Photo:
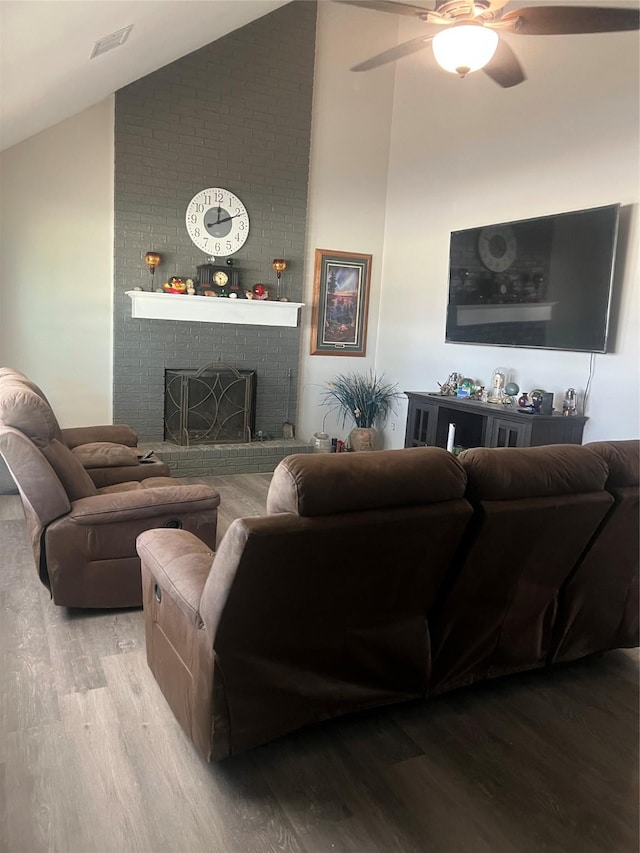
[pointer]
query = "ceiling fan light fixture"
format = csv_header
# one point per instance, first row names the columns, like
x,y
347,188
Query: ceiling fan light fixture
x,y
464,47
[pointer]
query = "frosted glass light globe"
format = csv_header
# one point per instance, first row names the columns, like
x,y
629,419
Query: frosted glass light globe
x,y
463,48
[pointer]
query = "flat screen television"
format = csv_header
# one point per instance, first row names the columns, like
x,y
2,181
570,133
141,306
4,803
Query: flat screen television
x,y
541,283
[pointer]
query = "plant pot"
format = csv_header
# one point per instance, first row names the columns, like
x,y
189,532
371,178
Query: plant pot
x,y
362,438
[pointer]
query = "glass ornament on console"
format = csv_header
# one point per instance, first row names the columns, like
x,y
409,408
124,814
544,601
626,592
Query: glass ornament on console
x,y
499,380
570,403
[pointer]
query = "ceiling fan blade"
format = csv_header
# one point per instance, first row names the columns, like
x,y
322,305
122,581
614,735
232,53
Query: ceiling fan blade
x,y
504,67
569,20
394,53
395,8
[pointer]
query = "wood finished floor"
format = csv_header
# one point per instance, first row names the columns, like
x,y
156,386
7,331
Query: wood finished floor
x,y
91,758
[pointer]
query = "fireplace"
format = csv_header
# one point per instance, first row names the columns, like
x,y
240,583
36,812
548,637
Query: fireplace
x,y
212,405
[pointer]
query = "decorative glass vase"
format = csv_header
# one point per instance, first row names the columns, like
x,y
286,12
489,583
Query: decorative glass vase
x,y
498,383
362,438
321,442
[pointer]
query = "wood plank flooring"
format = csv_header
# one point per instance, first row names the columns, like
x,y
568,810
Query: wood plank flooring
x,y
92,760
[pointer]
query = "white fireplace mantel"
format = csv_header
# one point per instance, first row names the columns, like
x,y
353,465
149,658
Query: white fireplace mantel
x,y
206,309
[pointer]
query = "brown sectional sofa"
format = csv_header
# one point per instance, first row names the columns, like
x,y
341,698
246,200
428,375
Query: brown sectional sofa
x,y
381,577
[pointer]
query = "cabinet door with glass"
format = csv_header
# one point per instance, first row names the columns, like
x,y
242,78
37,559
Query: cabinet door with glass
x,y
421,424
505,432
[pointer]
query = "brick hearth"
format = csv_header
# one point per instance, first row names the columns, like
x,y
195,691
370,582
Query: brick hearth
x,y
203,460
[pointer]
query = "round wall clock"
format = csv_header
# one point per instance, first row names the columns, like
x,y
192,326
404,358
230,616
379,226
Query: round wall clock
x,y
217,221
497,247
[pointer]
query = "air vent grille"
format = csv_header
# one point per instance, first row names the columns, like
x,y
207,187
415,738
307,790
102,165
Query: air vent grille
x,y
109,42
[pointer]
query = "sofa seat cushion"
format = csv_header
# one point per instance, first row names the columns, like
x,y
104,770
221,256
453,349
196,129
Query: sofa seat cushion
x,y
152,468
102,454
135,486
324,484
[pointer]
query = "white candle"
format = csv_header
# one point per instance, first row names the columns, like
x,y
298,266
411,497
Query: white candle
x,y
451,437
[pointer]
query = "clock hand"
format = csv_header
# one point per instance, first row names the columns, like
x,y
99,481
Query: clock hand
x,y
226,219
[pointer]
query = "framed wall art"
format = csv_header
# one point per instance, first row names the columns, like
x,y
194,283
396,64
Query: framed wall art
x,y
340,303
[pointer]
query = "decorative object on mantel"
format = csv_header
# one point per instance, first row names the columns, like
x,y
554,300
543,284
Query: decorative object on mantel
x,y
279,265
152,260
175,285
222,280
260,292
363,399
340,303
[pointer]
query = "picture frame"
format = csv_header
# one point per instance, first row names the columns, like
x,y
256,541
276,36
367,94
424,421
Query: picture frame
x,y
342,281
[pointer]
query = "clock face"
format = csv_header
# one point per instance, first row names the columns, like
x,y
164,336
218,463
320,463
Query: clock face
x,y
220,278
217,222
497,247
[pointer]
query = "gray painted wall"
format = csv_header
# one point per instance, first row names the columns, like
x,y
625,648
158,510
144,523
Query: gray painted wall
x,y
235,114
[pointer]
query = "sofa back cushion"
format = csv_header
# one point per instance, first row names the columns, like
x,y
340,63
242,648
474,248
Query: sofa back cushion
x,y
330,483
519,473
622,459
536,511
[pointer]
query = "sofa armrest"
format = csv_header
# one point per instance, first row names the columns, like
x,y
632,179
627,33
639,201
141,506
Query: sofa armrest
x,y
123,506
114,433
180,564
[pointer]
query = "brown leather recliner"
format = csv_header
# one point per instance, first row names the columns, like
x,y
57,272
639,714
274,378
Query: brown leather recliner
x,y
83,538
108,452
598,607
313,611
537,508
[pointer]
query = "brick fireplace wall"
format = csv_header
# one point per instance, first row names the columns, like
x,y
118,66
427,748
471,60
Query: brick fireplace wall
x,y
234,114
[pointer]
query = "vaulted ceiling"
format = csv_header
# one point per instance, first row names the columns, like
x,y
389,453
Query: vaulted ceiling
x,y
47,75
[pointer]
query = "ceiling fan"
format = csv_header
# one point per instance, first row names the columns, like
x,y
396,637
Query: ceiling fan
x,y
464,33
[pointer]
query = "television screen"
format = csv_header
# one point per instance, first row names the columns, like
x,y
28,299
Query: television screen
x,y
542,282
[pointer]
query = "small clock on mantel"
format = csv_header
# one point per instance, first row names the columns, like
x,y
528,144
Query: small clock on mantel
x,y
218,278
217,222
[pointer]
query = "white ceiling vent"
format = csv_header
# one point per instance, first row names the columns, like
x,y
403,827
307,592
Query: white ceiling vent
x,y
109,42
